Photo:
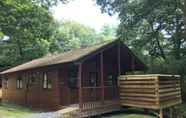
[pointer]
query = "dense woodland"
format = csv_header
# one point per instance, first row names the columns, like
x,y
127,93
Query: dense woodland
x,y
154,30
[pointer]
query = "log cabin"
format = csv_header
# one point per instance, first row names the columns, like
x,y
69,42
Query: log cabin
x,y
74,77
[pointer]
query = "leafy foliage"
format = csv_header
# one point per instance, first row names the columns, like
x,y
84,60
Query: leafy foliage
x,y
151,26
71,34
28,29
154,30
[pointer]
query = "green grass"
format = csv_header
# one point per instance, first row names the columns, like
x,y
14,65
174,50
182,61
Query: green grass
x,y
182,110
14,111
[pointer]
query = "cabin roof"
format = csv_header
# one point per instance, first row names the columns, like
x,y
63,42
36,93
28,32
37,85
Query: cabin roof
x,y
74,55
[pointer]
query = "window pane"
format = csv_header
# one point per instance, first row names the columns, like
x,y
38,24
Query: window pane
x,y
5,83
49,86
109,80
93,80
17,83
45,81
20,83
72,77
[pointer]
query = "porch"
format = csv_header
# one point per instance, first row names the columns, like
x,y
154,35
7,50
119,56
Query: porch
x,y
90,109
92,84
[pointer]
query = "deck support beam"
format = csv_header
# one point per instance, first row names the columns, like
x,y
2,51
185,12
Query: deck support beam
x,y
102,78
161,113
80,85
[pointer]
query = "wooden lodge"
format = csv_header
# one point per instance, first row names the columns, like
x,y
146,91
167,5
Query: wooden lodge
x,y
85,78
84,82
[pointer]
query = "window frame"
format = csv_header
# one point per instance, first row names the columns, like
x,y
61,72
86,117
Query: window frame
x,y
46,82
95,74
19,83
5,83
72,80
110,80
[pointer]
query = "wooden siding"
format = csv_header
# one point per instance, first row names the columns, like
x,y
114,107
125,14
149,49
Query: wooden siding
x,y
62,95
154,92
35,96
169,91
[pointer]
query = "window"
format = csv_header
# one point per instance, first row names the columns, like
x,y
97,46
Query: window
x,y
72,77
5,83
111,80
47,84
19,83
93,79
32,79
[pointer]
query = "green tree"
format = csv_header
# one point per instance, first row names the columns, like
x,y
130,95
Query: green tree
x,y
154,30
108,32
48,3
29,28
156,27
75,35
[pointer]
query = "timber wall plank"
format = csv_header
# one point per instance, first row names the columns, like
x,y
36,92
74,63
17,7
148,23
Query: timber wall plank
x,y
150,91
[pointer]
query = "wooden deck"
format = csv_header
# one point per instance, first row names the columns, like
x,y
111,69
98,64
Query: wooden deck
x,y
90,109
154,91
150,91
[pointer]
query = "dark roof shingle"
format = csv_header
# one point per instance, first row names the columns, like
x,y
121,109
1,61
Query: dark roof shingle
x,y
65,57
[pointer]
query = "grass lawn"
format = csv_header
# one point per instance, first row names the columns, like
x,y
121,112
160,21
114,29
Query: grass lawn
x,y
15,111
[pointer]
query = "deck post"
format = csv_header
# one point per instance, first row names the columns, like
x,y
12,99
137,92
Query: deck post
x,y
102,78
80,85
161,113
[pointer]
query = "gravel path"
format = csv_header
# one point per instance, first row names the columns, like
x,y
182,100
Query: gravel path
x,y
45,115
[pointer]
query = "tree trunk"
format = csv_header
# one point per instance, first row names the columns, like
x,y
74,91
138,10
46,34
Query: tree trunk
x,y
160,48
177,40
156,36
19,48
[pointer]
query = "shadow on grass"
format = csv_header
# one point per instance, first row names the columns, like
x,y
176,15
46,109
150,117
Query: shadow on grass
x,y
128,113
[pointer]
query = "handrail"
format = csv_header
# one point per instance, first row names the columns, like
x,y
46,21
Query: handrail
x,y
97,87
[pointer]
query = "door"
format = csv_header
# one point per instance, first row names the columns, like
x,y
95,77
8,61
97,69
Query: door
x,y
64,91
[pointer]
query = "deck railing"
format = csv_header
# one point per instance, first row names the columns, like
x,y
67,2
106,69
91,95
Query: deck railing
x,y
90,94
95,108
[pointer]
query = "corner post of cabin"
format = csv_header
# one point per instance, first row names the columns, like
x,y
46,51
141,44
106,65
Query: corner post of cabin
x,y
119,66
80,85
132,64
102,77
119,59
